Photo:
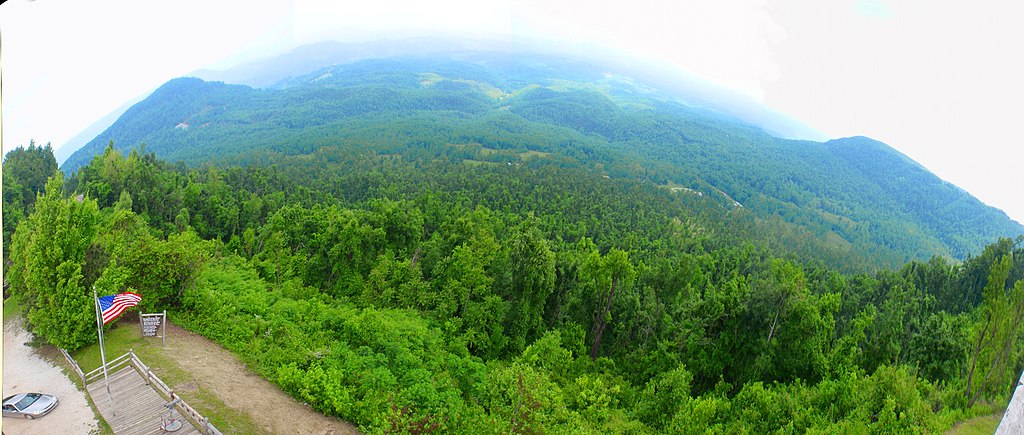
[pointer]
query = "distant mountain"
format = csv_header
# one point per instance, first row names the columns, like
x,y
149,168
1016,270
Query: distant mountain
x,y
690,89
82,138
513,106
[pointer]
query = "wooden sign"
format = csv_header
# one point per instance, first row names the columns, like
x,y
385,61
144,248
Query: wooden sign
x,y
153,323
150,325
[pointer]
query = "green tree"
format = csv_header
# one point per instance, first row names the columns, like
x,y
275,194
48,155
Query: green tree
x,y
394,283
30,168
49,250
13,211
531,269
995,333
604,276
402,223
663,396
464,296
25,171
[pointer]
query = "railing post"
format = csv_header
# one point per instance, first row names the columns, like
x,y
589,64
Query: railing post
x,y
74,364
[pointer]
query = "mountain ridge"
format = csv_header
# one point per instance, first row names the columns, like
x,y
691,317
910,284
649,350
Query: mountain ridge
x,y
855,191
269,71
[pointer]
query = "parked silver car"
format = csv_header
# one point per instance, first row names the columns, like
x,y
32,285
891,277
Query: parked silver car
x,y
29,405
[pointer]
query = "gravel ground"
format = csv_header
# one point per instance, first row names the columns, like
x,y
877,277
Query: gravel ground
x,y
25,371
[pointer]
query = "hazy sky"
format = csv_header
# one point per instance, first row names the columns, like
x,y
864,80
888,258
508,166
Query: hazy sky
x,y
942,81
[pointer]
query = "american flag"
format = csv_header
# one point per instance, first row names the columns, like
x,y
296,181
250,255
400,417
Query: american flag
x,y
112,306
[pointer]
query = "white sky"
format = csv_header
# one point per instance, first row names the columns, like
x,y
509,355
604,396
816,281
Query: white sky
x,y
942,81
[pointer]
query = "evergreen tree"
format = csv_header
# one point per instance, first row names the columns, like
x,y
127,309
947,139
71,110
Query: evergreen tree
x,y
49,250
25,171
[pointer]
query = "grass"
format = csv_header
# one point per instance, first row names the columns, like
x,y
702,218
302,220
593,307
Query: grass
x,y
119,339
12,308
479,163
528,154
982,425
836,241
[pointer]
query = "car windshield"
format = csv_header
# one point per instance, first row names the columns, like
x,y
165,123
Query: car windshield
x,y
26,401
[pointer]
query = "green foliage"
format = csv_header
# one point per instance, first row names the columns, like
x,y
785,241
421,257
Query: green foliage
x,y
67,247
531,270
865,205
409,293
663,397
48,254
433,313
602,277
941,346
159,269
995,334
521,399
25,172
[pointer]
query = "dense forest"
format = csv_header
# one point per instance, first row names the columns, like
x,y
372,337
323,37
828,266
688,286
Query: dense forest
x,y
871,206
417,291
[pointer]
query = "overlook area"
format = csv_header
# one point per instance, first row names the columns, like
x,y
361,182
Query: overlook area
x,y
423,236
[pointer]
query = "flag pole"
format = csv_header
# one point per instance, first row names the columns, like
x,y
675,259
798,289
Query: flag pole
x,y
103,356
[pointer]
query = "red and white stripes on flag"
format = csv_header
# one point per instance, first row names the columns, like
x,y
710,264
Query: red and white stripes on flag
x,y
112,306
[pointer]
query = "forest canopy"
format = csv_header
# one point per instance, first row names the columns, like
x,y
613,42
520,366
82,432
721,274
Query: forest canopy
x,y
865,203
413,293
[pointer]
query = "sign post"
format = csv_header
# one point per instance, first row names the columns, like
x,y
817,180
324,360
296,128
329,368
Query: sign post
x,y
151,323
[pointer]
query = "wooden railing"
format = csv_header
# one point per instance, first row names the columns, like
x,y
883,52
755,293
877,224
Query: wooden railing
x,y
74,365
200,422
184,408
1013,417
151,378
115,363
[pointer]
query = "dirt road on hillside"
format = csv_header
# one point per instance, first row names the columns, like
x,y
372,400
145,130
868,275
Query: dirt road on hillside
x,y
219,371
26,372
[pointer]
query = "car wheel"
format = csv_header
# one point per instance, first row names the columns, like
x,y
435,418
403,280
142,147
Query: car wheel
x,y
29,416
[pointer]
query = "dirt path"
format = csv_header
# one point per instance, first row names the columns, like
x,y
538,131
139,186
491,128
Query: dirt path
x,y
25,371
219,371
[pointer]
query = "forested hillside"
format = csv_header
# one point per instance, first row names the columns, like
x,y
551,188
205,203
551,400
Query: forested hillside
x,y
475,242
855,198
449,289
